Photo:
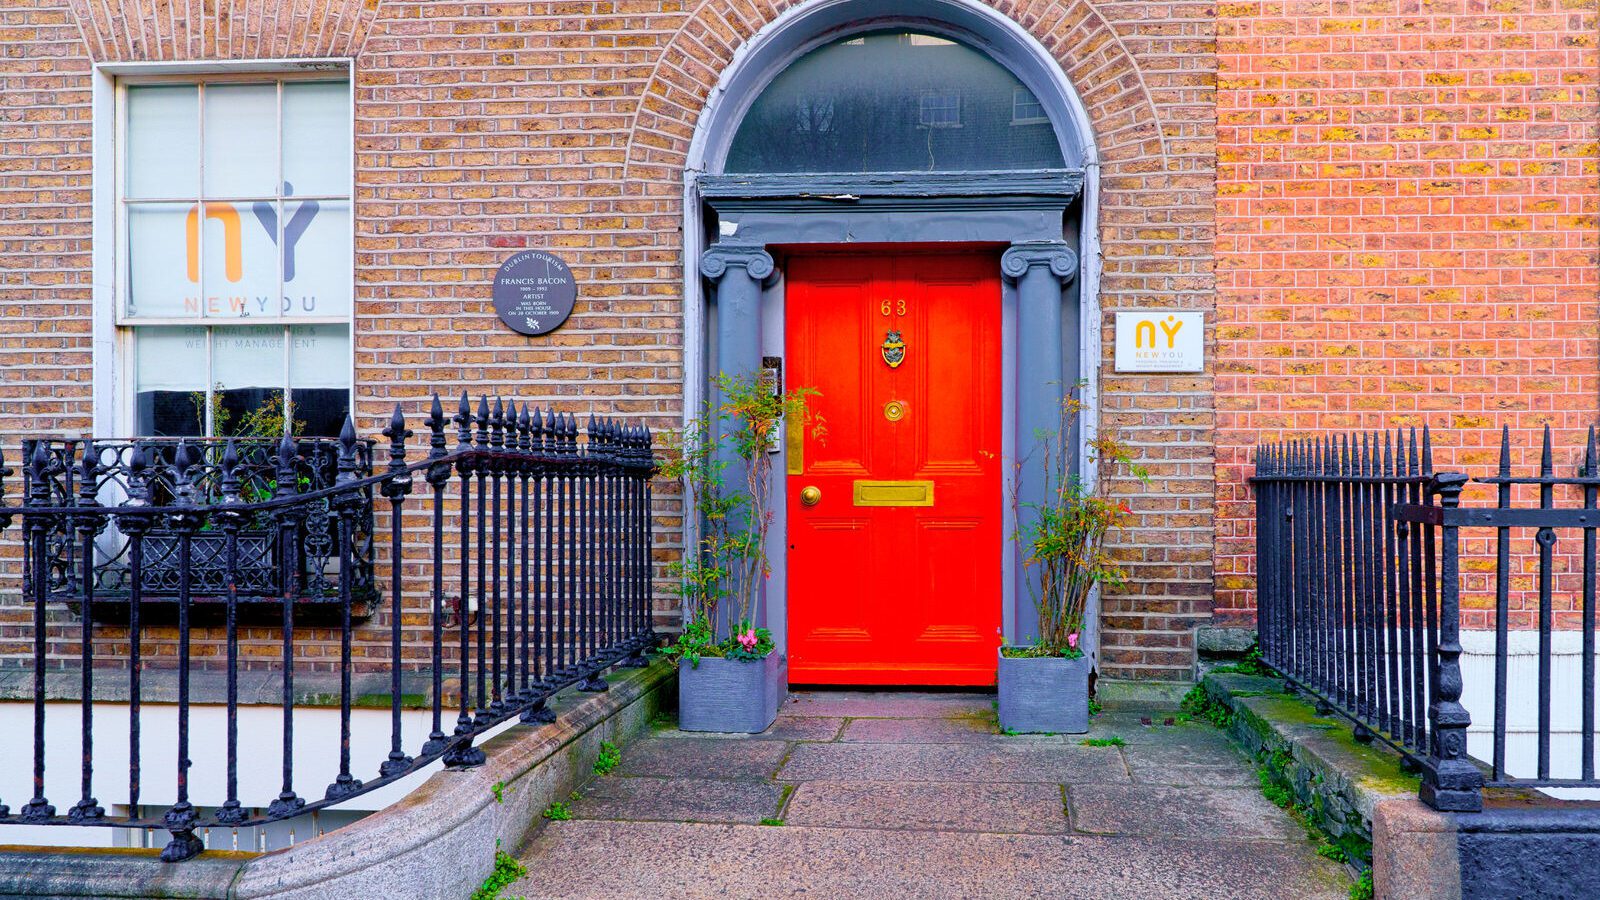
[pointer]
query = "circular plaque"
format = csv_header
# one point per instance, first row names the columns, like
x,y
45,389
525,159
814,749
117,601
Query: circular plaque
x,y
534,292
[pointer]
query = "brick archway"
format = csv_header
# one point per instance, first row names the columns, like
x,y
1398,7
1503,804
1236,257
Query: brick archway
x,y
1090,51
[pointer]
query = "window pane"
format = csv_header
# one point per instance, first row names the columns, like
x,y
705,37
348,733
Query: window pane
x,y
319,377
241,144
163,261
163,141
316,260
247,376
316,138
170,380
893,102
241,271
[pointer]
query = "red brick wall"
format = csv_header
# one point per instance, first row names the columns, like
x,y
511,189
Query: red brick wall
x,y
1400,210
1407,234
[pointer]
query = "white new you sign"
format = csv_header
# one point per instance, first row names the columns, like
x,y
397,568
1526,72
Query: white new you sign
x,y
1160,340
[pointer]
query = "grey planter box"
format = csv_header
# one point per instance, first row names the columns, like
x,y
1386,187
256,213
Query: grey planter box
x,y
1044,695
731,695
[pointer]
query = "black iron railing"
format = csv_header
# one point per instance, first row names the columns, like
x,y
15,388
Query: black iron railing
x,y
1360,596
112,473
546,537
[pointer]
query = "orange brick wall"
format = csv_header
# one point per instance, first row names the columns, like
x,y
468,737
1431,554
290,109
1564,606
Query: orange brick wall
x,y
1406,219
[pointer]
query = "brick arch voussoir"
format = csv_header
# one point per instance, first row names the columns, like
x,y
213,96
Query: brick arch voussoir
x,y
170,30
1085,44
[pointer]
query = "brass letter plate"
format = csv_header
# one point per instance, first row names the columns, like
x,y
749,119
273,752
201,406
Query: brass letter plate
x,y
893,493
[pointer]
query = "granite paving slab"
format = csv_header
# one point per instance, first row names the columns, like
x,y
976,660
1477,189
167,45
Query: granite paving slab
x,y
915,795
679,800
994,762
897,705
700,757
1236,775
939,806
589,860
921,731
1193,749
1178,812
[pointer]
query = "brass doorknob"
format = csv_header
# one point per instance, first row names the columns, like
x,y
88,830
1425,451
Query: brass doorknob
x,y
811,496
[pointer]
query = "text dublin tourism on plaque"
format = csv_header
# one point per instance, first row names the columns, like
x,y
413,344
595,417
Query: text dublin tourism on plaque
x,y
534,292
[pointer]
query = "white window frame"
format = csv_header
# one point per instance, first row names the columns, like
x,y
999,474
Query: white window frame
x,y
941,97
114,401
1021,95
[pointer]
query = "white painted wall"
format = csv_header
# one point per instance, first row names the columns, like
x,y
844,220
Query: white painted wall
x,y
1522,701
316,741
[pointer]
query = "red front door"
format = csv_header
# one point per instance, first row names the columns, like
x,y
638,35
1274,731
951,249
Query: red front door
x,y
894,569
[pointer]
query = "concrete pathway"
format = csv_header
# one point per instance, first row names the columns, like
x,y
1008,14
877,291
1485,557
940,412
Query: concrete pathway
x,y
854,794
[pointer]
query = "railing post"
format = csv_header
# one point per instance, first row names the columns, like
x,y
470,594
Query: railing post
x,y
395,488
1451,781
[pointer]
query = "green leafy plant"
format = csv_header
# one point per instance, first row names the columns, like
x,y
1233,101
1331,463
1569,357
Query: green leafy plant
x,y
1330,851
1250,664
729,563
1362,889
1199,705
1063,536
506,873
557,812
269,420
499,791
1095,707
610,757
771,821
1112,741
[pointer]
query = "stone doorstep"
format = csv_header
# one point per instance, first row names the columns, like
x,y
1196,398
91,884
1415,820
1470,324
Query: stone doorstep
x,y
437,842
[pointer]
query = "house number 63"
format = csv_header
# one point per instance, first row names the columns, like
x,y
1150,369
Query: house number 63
x,y
896,307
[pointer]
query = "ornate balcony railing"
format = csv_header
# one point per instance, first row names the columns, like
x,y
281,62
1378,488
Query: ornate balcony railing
x,y
545,540
143,473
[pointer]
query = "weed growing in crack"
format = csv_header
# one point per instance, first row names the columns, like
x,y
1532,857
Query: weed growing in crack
x,y
1200,705
557,812
1112,741
610,757
506,872
771,821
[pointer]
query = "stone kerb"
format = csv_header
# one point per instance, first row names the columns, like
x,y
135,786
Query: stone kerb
x,y
1349,788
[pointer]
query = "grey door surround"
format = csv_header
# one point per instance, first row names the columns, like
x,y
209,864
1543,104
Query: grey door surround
x,y
1025,212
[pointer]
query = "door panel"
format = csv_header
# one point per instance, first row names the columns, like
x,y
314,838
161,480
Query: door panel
x,y
907,592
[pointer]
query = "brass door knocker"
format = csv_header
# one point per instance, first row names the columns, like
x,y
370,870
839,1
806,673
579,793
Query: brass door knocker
x,y
894,350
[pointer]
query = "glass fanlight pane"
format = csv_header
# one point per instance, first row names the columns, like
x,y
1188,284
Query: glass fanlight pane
x,y
894,102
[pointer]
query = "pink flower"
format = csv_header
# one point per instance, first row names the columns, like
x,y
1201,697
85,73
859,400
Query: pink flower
x,y
748,640
1072,640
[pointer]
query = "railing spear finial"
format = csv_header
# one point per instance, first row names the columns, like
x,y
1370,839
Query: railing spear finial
x,y
436,421
1547,463
463,420
230,472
